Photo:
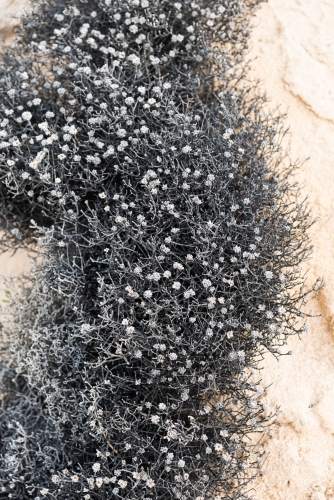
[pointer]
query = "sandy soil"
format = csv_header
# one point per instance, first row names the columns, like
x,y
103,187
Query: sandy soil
x,y
293,41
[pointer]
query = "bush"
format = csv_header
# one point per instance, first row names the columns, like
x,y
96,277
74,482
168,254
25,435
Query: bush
x,y
136,153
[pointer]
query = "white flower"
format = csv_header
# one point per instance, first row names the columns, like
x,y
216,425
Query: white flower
x,y
181,463
269,275
129,100
44,491
177,38
26,115
55,479
196,200
218,447
176,285
144,129
96,467
162,406
167,274
36,101
147,294
102,196
134,59
189,293
122,483
121,132
154,276
150,483
155,419
109,152
122,145
75,478
178,266
186,149
206,283
172,356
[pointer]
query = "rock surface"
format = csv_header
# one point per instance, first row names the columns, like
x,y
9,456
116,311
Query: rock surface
x,y
10,9
293,41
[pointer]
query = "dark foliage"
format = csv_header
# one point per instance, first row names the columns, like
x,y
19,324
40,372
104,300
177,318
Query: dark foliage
x,y
169,237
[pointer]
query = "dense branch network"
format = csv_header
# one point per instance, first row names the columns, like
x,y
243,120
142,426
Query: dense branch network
x,y
135,153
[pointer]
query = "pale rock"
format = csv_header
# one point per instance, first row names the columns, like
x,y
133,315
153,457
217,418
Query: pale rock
x,y
10,10
317,495
293,41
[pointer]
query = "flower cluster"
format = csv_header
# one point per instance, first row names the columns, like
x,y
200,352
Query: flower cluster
x,y
136,154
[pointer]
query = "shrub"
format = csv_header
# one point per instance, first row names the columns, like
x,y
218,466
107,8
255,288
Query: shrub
x,y
170,237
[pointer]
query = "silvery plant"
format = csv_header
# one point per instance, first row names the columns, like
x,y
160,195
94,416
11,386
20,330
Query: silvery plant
x,y
138,166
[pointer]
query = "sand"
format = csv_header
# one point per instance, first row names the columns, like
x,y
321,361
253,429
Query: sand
x,y
293,41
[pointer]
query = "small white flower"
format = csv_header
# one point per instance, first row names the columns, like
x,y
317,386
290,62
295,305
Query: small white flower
x,y
27,116
150,483
44,491
121,132
269,275
154,276
147,294
196,200
134,59
75,478
129,100
96,467
176,285
189,293
206,283
155,419
186,149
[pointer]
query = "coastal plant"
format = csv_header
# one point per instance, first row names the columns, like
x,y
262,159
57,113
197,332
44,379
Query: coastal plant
x,y
139,165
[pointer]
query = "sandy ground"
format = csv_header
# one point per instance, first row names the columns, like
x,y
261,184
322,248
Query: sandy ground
x,y
293,41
